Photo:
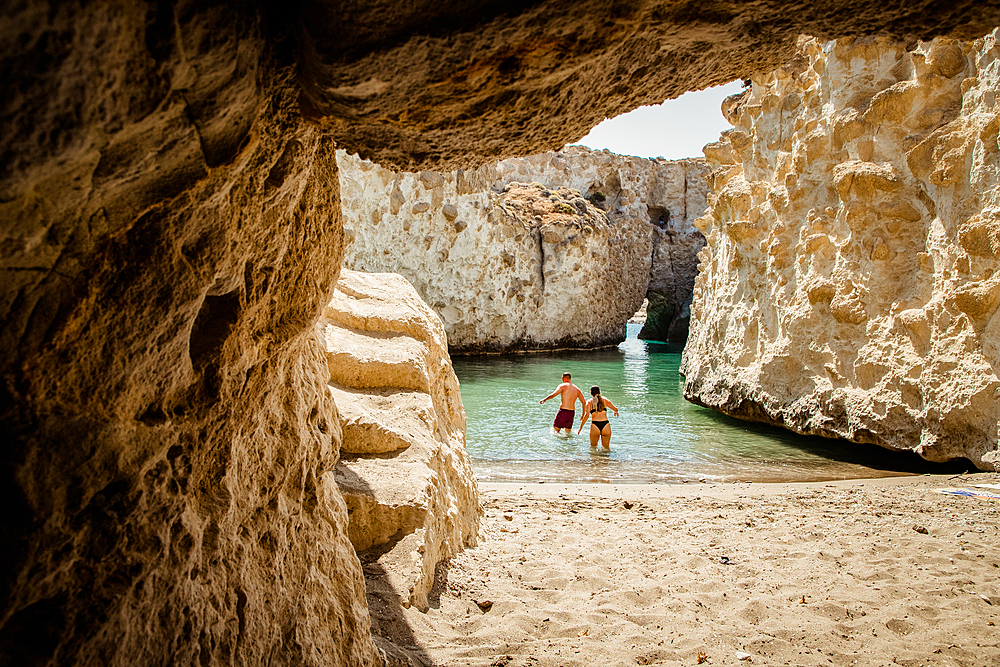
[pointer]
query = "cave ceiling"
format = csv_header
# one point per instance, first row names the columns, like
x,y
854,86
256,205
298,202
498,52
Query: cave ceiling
x,y
430,84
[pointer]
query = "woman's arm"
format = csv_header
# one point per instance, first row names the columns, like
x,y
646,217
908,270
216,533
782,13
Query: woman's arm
x,y
612,406
586,416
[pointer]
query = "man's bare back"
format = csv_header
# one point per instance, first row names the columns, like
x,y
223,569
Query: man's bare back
x,y
568,394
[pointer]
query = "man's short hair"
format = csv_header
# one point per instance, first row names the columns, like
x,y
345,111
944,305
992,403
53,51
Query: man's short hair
x,y
567,375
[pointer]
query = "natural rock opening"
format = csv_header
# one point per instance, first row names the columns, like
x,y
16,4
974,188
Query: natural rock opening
x,y
152,152
660,217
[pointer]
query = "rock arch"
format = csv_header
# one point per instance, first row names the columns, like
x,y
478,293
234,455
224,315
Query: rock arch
x,y
156,155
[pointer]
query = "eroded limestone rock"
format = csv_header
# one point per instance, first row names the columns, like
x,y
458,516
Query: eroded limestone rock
x,y
429,85
553,250
410,491
850,284
670,194
171,233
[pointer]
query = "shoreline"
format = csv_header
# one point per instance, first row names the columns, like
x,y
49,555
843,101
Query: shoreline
x,y
602,471
628,491
862,572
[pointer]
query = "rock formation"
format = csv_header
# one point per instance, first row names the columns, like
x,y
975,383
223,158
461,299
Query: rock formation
x,y
170,237
409,488
171,234
440,85
852,278
669,194
553,250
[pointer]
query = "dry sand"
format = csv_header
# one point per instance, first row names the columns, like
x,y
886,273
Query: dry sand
x,y
861,572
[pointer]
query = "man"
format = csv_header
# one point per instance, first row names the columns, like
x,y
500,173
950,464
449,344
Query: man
x,y
570,393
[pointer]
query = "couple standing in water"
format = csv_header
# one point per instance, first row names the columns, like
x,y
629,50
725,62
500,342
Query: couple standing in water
x,y
596,410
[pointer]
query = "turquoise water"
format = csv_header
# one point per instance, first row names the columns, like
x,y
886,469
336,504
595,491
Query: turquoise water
x,y
659,437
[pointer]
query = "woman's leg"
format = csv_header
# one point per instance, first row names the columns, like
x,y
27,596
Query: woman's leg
x,y
595,434
606,436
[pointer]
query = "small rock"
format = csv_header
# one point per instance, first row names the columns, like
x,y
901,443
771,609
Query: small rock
x,y
920,529
508,517
740,655
431,179
485,605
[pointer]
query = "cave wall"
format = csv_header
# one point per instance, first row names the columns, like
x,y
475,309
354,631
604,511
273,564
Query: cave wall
x,y
171,231
170,235
850,284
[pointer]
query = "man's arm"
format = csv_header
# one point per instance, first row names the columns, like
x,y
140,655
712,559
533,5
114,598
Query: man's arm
x,y
583,401
558,391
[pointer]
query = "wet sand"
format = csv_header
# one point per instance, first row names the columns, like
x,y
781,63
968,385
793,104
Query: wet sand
x,y
860,572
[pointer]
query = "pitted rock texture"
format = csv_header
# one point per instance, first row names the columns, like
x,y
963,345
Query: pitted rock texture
x,y
670,194
171,233
850,284
445,85
170,236
554,250
409,487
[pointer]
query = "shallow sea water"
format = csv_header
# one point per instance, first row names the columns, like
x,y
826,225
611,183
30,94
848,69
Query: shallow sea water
x,y
659,437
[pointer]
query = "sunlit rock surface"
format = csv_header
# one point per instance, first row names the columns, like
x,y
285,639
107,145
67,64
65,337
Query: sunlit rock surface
x,y
850,286
410,491
553,250
171,233
669,194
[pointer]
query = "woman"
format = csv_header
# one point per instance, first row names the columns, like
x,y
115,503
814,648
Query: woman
x,y
597,411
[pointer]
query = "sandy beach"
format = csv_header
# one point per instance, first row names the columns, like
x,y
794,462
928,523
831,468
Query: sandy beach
x,y
861,572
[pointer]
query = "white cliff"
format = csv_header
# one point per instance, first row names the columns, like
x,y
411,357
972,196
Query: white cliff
x,y
850,283
553,250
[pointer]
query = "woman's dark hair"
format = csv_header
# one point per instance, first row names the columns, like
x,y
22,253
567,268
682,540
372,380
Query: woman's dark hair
x,y
596,391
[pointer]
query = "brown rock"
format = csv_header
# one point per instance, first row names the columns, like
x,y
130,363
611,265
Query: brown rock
x,y
171,233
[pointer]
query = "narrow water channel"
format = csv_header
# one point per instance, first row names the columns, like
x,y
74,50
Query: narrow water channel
x,y
659,438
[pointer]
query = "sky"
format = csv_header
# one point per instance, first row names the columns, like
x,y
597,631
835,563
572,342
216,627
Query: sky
x,y
676,129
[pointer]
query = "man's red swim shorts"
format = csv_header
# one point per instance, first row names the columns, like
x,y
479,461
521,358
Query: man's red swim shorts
x,y
564,419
